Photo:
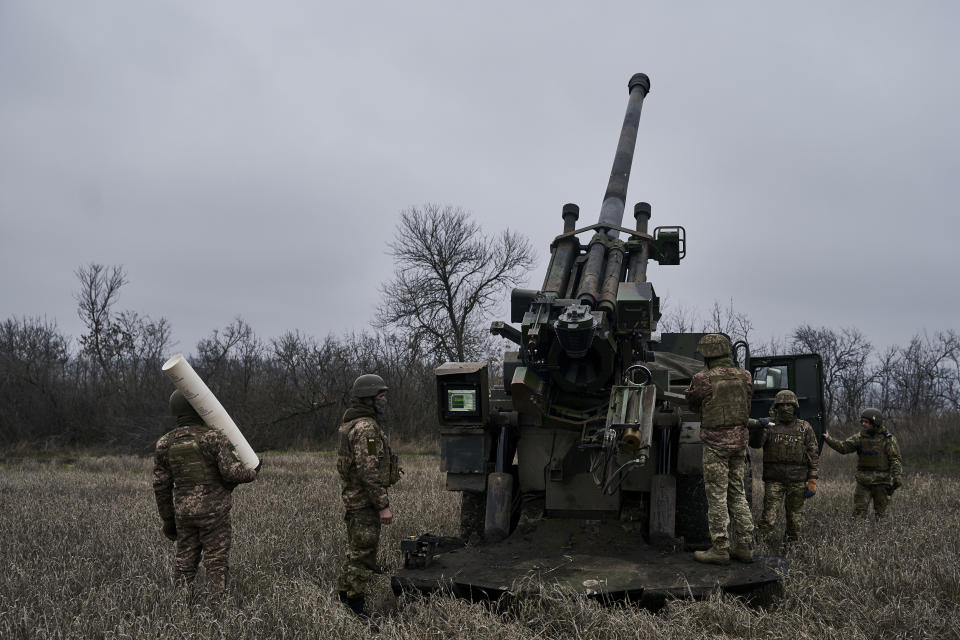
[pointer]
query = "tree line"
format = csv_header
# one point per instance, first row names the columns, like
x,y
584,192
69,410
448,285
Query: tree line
x,y
920,379
105,389
284,392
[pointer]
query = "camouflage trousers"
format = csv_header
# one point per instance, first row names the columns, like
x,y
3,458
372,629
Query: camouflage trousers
x,y
207,536
775,495
723,481
864,493
363,537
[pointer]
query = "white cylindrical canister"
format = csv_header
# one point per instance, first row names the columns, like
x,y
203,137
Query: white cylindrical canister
x,y
202,399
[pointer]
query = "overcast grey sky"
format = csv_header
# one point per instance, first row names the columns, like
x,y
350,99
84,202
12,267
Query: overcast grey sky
x,y
251,158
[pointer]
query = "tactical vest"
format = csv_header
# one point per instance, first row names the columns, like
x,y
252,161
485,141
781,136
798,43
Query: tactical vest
x,y
872,452
187,463
346,463
345,452
729,405
784,444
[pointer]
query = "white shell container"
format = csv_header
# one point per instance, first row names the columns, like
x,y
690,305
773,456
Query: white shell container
x,y
202,399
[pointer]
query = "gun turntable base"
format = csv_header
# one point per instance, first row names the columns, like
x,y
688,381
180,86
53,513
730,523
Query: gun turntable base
x,y
598,559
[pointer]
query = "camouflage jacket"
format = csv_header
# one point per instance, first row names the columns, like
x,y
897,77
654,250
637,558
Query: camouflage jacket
x,y
363,462
724,414
878,455
790,451
195,469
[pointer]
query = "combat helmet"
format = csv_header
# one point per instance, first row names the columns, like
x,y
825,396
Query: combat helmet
x,y
786,397
180,408
367,386
873,416
714,345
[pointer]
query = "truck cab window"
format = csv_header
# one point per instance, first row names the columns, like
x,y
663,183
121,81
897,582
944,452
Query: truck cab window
x,y
771,378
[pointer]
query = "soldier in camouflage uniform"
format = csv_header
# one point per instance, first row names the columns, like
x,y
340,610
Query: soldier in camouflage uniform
x,y
195,471
879,467
791,459
721,394
367,467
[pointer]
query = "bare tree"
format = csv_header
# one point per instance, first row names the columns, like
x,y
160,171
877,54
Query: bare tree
x,y
729,321
773,346
99,288
307,374
844,354
685,319
34,380
952,371
923,374
448,276
677,318
230,360
126,346
236,342
33,351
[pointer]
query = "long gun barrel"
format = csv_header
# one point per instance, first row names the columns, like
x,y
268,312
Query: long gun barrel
x,y
601,267
614,200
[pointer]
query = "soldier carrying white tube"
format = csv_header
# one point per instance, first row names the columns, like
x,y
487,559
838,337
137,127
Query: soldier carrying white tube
x,y
196,468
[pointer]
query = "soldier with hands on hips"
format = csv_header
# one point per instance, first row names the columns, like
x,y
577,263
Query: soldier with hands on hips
x,y
879,466
721,394
195,471
367,467
791,459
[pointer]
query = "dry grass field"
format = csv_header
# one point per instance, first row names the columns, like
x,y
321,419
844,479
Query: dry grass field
x,y
83,557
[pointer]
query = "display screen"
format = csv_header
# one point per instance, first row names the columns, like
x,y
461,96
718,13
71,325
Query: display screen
x,y
462,400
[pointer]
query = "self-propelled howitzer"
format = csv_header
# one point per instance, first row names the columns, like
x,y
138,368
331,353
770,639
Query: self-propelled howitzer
x,y
585,465
582,382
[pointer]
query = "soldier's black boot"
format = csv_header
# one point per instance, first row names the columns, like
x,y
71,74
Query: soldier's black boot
x,y
357,604
354,604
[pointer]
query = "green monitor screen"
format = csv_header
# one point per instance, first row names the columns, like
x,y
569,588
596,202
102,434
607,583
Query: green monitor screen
x,y
462,401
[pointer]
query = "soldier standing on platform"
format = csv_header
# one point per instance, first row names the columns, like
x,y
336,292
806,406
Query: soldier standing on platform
x,y
721,394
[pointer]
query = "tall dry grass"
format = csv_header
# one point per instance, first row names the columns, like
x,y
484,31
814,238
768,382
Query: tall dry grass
x,y
83,557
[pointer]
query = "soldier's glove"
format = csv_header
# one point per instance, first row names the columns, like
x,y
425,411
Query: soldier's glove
x,y
894,486
170,529
811,489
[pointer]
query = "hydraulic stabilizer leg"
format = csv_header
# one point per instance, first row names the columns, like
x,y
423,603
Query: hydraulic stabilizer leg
x,y
499,495
663,494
